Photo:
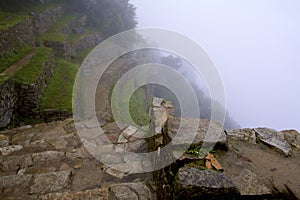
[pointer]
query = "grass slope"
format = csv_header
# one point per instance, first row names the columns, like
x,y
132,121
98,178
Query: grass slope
x,y
30,72
58,94
14,57
53,33
8,19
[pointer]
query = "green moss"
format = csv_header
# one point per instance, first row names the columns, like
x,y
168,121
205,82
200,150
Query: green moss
x,y
30,72
14,57
58,94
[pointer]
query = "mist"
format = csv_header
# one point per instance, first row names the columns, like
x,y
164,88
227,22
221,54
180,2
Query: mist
x,y
255,46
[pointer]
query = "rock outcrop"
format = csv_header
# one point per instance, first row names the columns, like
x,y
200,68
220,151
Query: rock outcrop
x,y
256,163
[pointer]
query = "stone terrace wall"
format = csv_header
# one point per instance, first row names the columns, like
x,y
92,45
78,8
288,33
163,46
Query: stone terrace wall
x,y
27,31
61,49
75,26
30,94
8,100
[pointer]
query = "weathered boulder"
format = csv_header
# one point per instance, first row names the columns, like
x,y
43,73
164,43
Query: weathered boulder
x,y
50,182
246,135
272,138
192,183
249,184
292,137
124,191
4,141
101,194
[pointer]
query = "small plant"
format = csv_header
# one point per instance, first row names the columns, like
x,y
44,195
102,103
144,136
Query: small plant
x,y
194,151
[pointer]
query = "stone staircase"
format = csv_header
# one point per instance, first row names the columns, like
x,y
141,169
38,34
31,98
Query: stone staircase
x,y
48,161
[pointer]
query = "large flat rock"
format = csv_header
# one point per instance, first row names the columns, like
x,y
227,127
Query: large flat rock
x,y
272,138
192,183
198,131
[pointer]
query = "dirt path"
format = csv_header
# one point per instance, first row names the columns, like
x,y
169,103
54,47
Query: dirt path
x,y
15,67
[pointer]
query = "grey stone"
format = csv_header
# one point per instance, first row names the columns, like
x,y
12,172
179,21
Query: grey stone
x,y
115,173
4,141
133,190
139,145
89,176
111,159
123,192
10,149
14,163
47,156
159,116
99,194
15,181
196,132
157,102
292,137
122,139
203,184
50,182
129,131
272,138
246,135
248,184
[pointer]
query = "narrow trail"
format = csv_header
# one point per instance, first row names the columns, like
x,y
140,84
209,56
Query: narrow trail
x,y
15,67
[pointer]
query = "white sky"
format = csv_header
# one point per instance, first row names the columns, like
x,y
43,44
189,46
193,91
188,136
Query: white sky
x,y
255,44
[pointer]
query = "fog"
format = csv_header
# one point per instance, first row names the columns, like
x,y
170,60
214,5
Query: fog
x,y
254,44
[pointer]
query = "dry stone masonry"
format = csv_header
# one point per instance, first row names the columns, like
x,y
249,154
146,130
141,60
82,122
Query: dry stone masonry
x,y
27,31
257,163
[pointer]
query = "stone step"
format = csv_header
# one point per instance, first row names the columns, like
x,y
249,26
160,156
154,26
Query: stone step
x,y
100,194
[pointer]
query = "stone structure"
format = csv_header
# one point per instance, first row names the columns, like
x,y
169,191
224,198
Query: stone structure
x,y
250,159
23,99
27,31
29,95
8,100
49,161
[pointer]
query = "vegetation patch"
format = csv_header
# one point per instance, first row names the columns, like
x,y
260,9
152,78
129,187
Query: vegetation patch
x,y
30,72
80,56
60,85
138,107
53,34
57,37
14,57
8,19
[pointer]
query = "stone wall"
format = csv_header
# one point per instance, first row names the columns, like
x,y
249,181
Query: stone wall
x,y
50,115
241,164
27,31
30,94
75,26
61,49
8,100
87,42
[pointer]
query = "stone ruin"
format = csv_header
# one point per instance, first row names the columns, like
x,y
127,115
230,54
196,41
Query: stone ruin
x,y
49,161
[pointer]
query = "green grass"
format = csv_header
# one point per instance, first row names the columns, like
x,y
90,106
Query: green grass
x,y
14,57
53,33
3,79
58,94
18,14
57,37
8,19
30,72
138,108
80,56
